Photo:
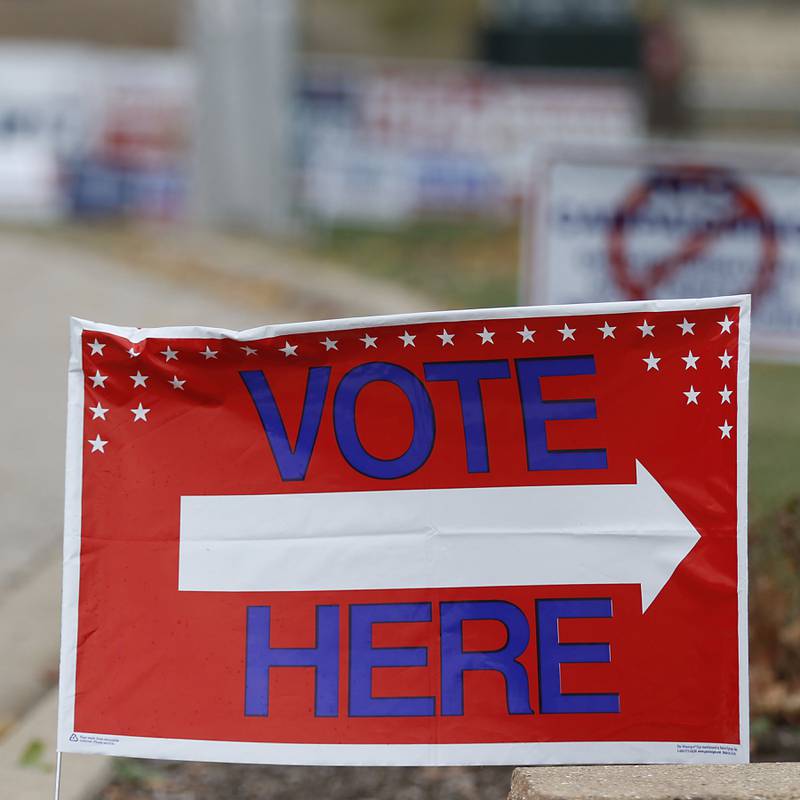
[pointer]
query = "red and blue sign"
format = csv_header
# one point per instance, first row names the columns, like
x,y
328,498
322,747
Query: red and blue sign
x,y
503,536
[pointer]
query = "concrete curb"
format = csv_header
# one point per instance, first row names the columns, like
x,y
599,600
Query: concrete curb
x,y
658,782
28,757
29,634
30,629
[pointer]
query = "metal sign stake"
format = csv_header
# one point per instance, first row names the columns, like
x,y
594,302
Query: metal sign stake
x,y
58,775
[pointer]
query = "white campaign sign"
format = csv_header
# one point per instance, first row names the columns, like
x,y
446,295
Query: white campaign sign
x,y
670,222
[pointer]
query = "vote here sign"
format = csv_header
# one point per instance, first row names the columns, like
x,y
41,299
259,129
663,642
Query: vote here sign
x,y
501,536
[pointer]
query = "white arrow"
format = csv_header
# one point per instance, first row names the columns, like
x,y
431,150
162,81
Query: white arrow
x,y
507,536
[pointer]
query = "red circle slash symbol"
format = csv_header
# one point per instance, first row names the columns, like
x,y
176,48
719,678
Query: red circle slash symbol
x,y
744,209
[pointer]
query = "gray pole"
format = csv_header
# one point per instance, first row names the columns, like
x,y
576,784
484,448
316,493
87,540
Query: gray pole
x,y
244,53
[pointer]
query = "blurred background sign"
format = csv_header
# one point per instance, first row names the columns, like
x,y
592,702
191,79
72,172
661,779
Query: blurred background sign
x,y
669,221
442,137
274,115
92,132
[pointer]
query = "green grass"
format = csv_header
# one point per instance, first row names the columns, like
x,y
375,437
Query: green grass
x,y
474,264
774,437
461,264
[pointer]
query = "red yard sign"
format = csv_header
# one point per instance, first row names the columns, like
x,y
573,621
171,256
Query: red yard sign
x,y
504,536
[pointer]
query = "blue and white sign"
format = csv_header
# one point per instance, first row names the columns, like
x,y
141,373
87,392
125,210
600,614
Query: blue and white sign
x,y
670,222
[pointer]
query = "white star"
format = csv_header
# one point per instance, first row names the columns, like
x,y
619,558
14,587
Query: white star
x,y
97,348
98,380
725,393
725,324
140,413
139,379
208,353
486,336
98,411
97,444
249,351
691,396
447,338
651,361
133,352
691,361
686,327
608,330
176,383
288,349
407,339
567,333
726,360
647,330
170,354
726,430
369,341
330,344
527,336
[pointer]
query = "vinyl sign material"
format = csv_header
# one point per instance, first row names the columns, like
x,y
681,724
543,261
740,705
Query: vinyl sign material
x,y
671,222
503,536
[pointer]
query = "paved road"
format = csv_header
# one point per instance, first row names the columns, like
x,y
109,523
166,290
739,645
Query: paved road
x,y
44,283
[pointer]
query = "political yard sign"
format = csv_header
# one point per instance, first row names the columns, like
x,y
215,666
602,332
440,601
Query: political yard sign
x,y
669,221
501,536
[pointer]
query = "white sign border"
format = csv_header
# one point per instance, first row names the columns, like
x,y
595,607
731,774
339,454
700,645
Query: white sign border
x,y
499,753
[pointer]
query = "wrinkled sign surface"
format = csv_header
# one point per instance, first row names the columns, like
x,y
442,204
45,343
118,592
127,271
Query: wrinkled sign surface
x,y
502,536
